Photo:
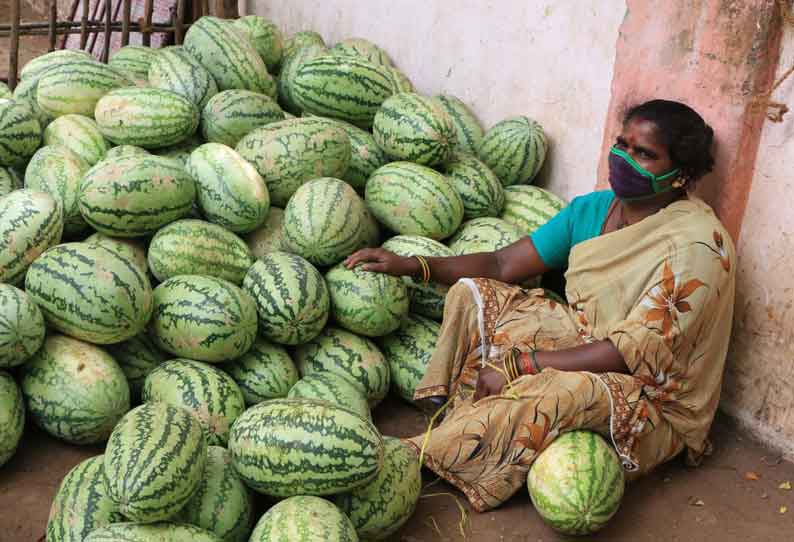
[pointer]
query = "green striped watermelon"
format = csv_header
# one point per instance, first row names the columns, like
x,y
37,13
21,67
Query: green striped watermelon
x,y
414,200
58,171
363,48
81,504
90,292
346,354
291,152
370,233
76,87
226,53
203,390
342,87
74,390
265,372
468,130
286,447
151,532
289,70
147,117
230,191
5,92
154,461
265,37
408,351
484,235
137,357
80,135
20,132
399,81
10,180
333,388
26,92
365,156
196,247
300,40
291,296
365,302
576,484
21,326
269,237
125,150
181,151
232,114
414,128
480,190
222,504
134,61
426,299
323,221
30,223
135,195
381,507
38,66
304,519
130,249
529,207
514,149
12,417
175,70
203,318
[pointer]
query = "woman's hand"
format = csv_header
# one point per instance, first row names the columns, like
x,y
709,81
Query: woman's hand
x,y
381,260
490,381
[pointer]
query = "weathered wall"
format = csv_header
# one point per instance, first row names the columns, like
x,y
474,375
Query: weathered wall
x,y
549,60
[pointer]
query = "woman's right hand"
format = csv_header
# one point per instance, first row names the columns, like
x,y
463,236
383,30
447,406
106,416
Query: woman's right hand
x,y
381,260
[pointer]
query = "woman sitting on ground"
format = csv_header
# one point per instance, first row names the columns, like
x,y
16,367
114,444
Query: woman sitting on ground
x,y
637,354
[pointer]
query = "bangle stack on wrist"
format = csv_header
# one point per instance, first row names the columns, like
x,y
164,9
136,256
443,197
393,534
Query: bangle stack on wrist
x,y
425,268
511,364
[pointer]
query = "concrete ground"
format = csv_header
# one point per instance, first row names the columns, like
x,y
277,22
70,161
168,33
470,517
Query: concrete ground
x,y
735,496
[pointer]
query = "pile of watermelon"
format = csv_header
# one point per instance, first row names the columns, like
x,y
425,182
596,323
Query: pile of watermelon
x,y
172,227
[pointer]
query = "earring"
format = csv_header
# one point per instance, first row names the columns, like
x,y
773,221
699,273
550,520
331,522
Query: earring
x,y
679,182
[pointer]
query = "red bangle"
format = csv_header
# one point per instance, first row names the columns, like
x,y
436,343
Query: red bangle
x,y
525,362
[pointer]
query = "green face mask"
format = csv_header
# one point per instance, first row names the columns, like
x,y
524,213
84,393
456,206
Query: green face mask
x,y
630,181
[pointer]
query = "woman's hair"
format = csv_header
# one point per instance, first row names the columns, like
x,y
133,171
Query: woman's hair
x,y
685,134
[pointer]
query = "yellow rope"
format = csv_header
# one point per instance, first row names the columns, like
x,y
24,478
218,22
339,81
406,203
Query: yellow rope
x,y
464,515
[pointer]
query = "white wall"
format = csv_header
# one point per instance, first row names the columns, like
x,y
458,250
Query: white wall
x,y
550,60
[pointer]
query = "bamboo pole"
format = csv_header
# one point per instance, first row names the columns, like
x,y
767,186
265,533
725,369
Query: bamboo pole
x,y
83,25
53,34
13,50
125,23
75,28
179,33
72,14
99,14
108,33
146,38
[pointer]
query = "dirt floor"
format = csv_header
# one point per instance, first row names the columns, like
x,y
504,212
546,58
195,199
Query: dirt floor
x,y
735,496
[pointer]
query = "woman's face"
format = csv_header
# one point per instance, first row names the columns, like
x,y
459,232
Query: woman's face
x,y
638,139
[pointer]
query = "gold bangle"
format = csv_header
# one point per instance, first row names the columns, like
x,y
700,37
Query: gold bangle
x,y
425,268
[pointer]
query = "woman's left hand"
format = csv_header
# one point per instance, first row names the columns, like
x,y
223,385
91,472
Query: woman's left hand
x,y
490,381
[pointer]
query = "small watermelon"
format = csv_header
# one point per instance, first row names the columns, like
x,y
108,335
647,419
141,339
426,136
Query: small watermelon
x,y
40,65
363,48
151,532
301,39
514,149
137,357
266,38
125,150
134,61
484,235
529,207
304,519
365,156
76,87
333,388
269,237
468,130
232,114
21,326
20,132
175,70
79,134
131,249
408,351
12,417
480,190
399,81
265,372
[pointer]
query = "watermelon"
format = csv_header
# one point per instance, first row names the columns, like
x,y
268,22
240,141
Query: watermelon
x,y
10,180
26,92
21,326
137,357
414,128
75,391
481,191
576,484
399,81
265,37
12,417
265,372
175,70
226,53
334,389
352,357
151,532
90,292
484,235
76,87
370,233
20,132
38,66
529,207
289,69
58,171
304,519
269,237
291,152
414,200
300,40
348,88
196,247
408,351
203,390
291,297
365,156
514,149
286,447
5,92
134,61
125,150
130,249
154,461
222,504
427,299
30,222
365,302
147,117
468,130
135,195
181,151
232,114
230,191
203,318
363,48
80,135
323,221
81,504
381,507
